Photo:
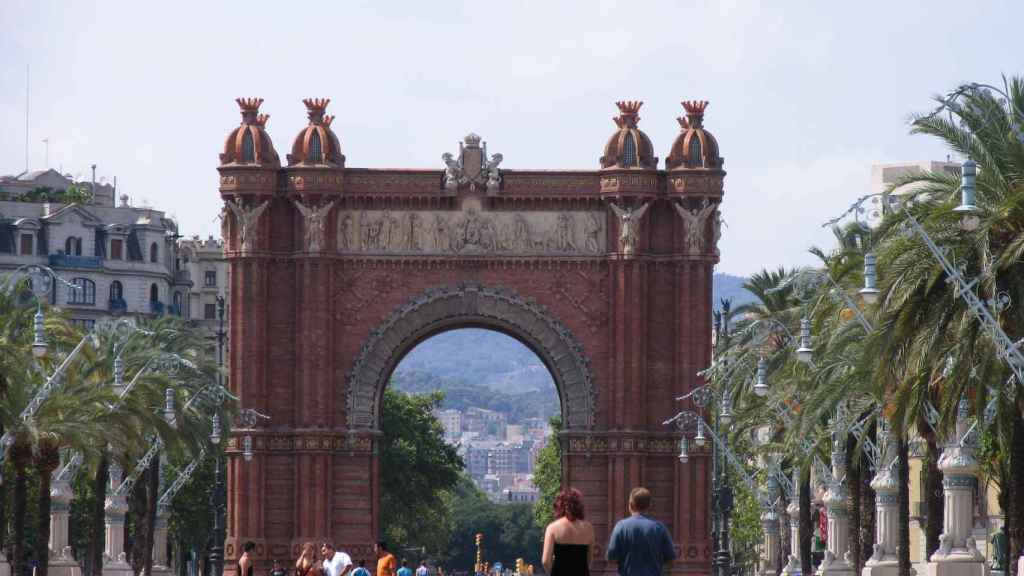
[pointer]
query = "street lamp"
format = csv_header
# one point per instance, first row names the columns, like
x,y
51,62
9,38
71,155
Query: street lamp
x,y
969,213
684,450
870,290
761,387
805,353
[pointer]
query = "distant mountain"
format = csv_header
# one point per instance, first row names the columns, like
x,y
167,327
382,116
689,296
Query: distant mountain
x,y
472,359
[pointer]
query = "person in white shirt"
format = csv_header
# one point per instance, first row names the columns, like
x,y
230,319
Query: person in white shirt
x,y
334,563
423,570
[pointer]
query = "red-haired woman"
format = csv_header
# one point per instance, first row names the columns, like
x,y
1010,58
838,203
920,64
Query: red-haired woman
x,y
569,538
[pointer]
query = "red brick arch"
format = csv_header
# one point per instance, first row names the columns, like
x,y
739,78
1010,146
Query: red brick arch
x,y
337,272
471,305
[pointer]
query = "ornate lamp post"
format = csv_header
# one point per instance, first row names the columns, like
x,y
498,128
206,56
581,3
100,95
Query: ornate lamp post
x,y
217,496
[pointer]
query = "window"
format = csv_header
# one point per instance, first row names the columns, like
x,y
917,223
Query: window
x,y
116,249
248,148
695,155
315,148
629,151
73,246
27,242
177,304
153,252
211,278
83,292
210,312
154,293
116,291
84,324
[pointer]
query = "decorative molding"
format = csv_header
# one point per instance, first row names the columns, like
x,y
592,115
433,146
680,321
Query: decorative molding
x,y
471,303
472,168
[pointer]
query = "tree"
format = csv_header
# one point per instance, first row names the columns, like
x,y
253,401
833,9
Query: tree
x,y
417,469
547,475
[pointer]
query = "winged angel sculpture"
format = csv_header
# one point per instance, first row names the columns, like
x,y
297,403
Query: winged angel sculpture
x,y
629,226
316,222
695,220
247,220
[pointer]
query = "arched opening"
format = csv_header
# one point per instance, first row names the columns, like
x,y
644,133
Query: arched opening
x,y
629,151
315,148
154,293
248,148
494,402
116,291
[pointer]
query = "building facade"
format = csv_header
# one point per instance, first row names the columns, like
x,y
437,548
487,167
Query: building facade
x,y
203,261
113,260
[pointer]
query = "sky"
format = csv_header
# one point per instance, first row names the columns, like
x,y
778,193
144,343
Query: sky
x,y
805,96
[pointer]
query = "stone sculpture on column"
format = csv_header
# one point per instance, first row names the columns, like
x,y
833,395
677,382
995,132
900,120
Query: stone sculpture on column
x,y
62,562
115,561
792,567
958,554
886,483
837,561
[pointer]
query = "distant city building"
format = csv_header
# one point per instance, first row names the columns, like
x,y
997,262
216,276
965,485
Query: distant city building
x,y
204,263
451,420
115,259
883,176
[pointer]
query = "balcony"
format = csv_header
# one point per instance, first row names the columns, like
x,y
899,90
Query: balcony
x,y
118,306
156,307
182,277
65,261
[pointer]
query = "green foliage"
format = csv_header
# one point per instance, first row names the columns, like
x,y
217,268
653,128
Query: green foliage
x,y
417,468
547,476
75,193
746,534
509,530
459,395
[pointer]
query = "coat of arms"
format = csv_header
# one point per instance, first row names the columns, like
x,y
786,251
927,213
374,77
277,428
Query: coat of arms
x,y
472,168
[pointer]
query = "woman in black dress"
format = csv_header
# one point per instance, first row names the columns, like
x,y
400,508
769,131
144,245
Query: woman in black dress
x,y
569,539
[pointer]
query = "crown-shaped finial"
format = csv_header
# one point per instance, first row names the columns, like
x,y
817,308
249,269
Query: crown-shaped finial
x,y
694,112
472,140
249,107
315,108
628,113
328,120
262,119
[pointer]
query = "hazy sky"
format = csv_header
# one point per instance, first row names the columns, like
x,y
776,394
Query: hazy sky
x,y
804,96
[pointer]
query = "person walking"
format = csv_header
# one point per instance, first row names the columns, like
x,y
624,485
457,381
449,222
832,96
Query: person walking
x,y
386,563
245,566
568,539
405,570
277,570
423,570
334,563
641,546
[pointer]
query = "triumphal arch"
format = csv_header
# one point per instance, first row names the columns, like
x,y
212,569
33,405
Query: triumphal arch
x,y
337,272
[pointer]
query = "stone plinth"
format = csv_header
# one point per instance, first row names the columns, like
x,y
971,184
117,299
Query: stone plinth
x,y
885,561
161,566
62,562
115,560
837,561
958,554
770,528
792,567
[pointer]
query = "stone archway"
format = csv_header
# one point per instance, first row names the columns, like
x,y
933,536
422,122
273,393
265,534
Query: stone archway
x,y
472,305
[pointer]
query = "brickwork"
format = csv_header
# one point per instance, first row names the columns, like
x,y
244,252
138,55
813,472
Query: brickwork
x,y
317,333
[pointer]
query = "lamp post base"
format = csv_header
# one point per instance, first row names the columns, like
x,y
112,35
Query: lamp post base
x,y
64,564
118,566
883,568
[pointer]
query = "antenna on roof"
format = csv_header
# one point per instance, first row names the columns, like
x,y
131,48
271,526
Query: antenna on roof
x,y
26,118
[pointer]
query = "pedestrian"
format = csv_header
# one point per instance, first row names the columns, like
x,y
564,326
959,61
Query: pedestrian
x,y
386,563
568,539
641,546
306,561
277,570
361,570
405,570
334,563
245,566
423,570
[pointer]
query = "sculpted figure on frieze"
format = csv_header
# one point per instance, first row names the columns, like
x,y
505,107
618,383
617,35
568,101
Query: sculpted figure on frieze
x,y
629,226
592,232
345,232
315,223
247,219
695,220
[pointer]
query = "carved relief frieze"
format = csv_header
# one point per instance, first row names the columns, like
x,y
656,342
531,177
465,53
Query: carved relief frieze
x,y
617,183
471,232
315,180
247,179
696,184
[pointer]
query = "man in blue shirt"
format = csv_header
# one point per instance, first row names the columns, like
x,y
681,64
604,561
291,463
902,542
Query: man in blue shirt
x,y
640,545
404,570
